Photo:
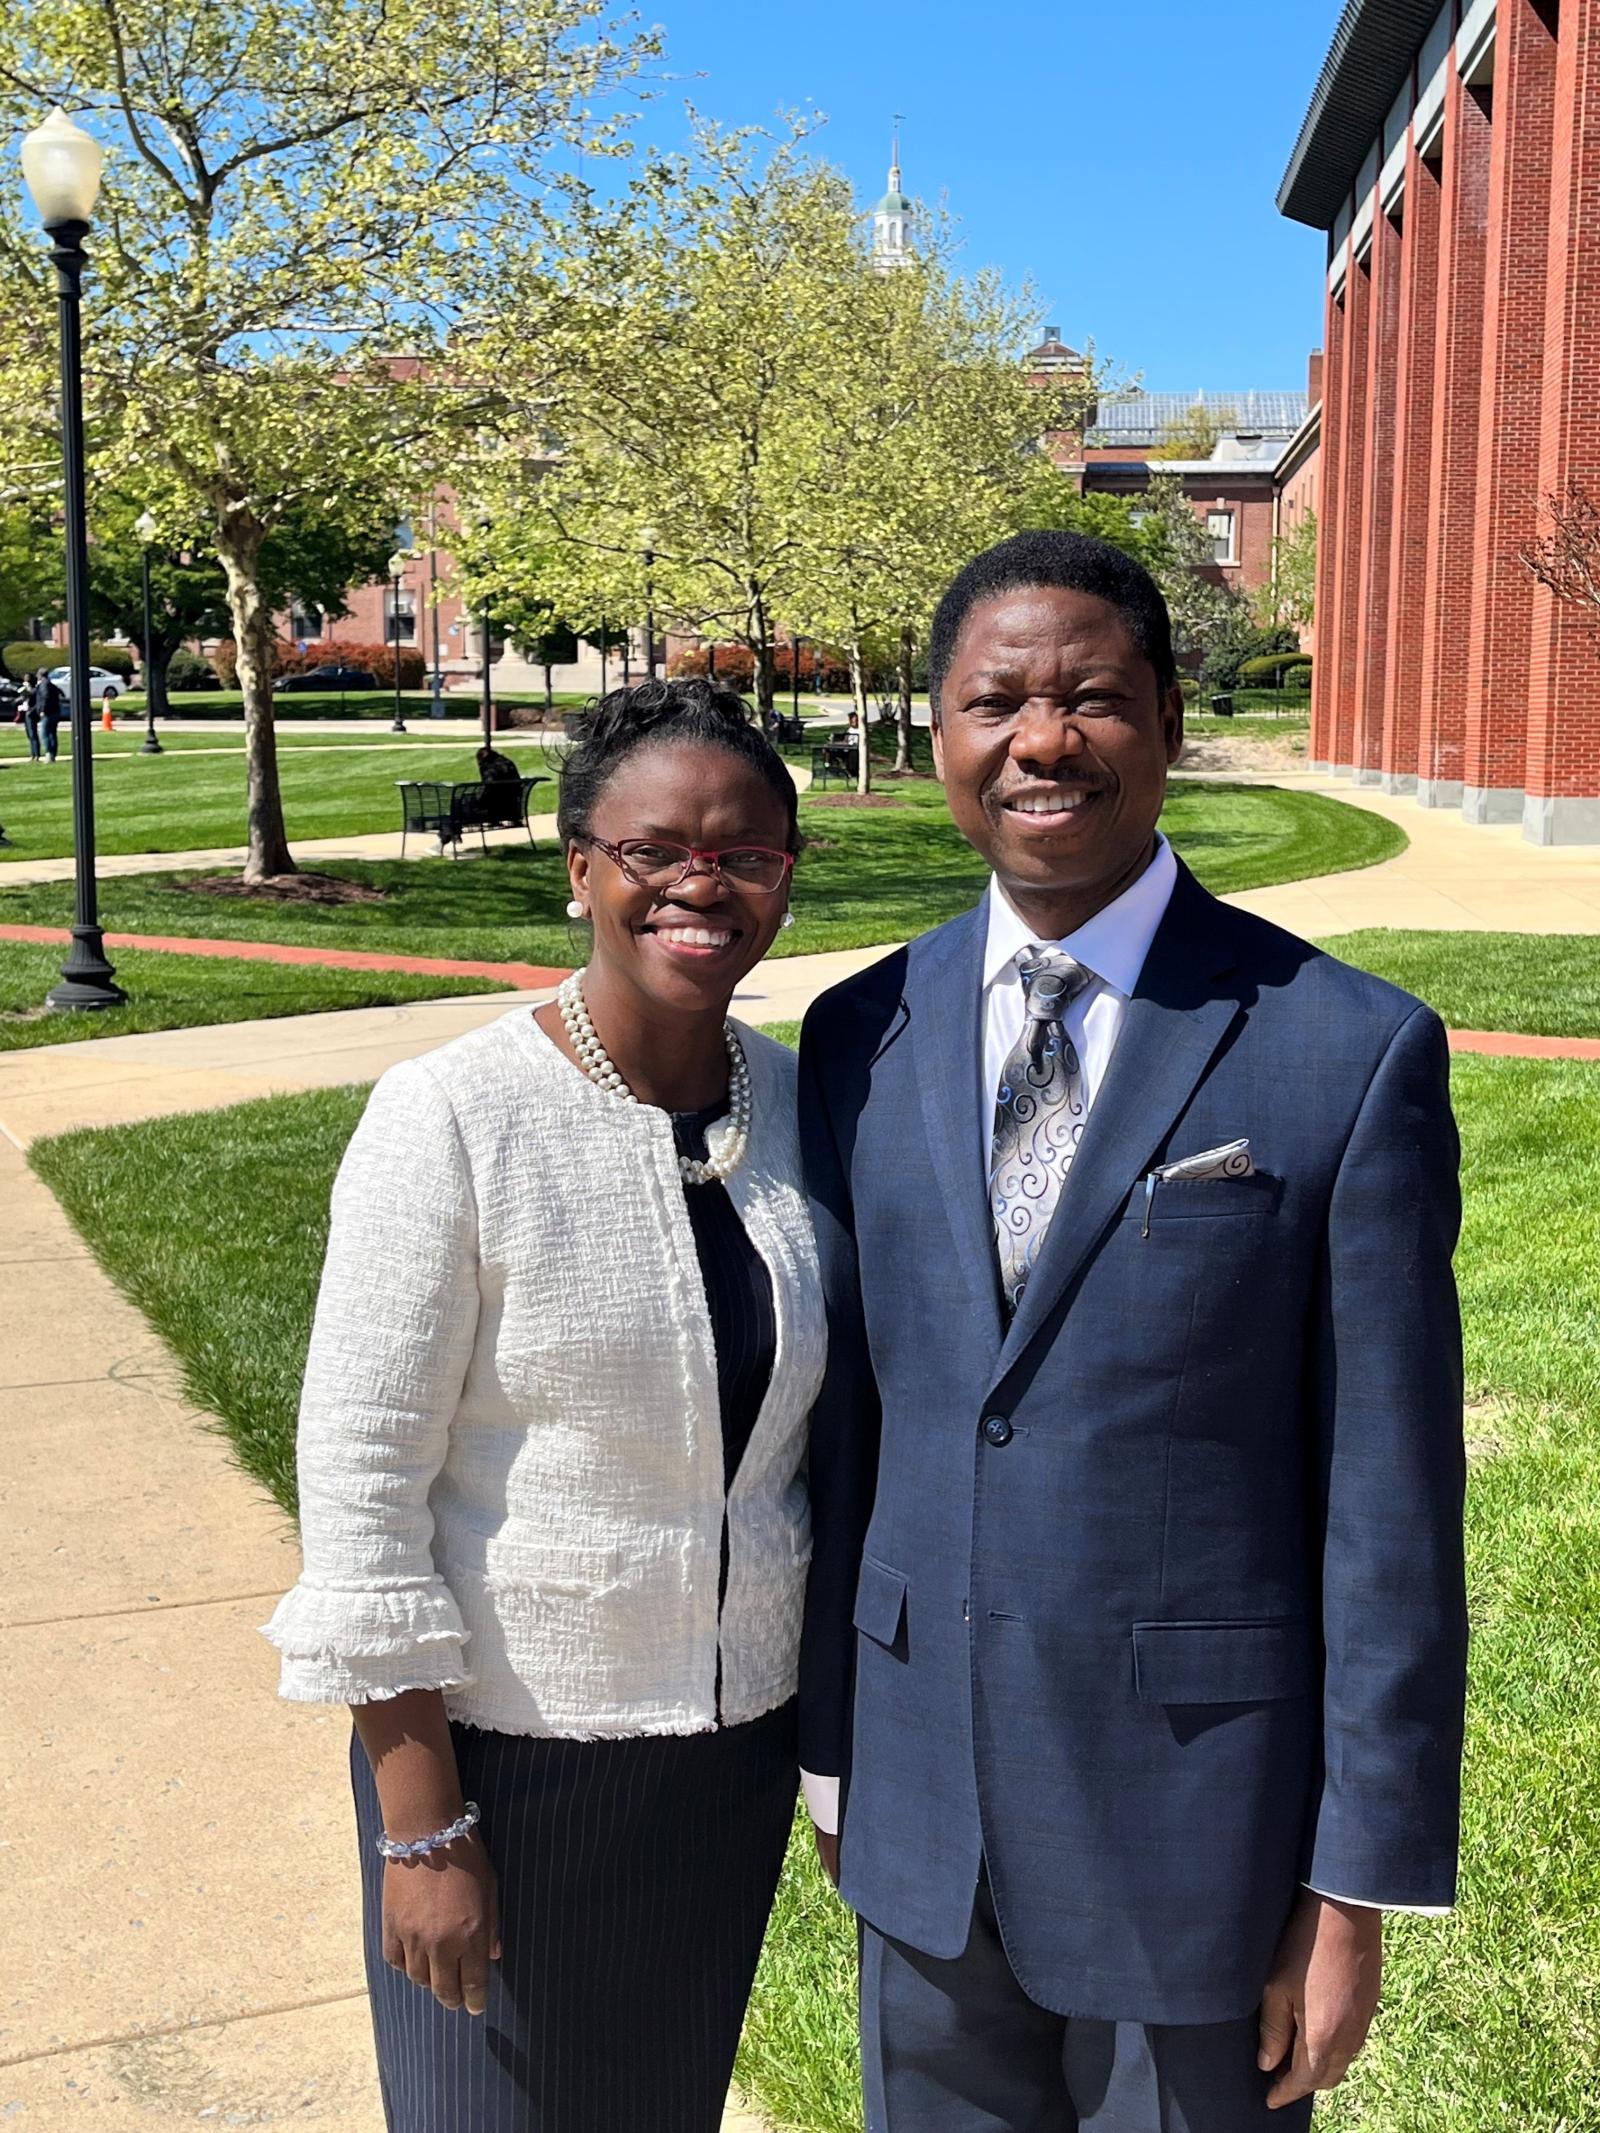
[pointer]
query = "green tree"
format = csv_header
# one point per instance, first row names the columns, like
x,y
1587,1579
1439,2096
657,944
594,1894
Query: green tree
x,y
309,559
1290,596
31,582
1181,561
291,193
1196,433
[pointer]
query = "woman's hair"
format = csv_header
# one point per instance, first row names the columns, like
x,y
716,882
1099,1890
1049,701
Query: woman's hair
x,y
660,714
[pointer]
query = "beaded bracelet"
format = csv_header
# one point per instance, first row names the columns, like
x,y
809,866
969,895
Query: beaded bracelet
x,y
419,1847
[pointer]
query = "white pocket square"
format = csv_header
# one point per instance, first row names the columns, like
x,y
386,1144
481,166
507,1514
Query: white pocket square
x,y
1231,1160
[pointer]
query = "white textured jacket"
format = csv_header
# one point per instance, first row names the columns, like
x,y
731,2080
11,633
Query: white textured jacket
x,y
510,1451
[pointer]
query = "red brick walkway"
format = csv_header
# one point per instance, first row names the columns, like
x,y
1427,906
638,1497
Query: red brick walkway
x,y
535,977
531,977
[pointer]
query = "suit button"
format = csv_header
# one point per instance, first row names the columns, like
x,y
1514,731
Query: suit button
x,y
998,1430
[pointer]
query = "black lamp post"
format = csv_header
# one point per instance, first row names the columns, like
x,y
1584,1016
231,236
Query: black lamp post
x,y
145,527
397,572
61,164
794,676
488,684
649,538
602,655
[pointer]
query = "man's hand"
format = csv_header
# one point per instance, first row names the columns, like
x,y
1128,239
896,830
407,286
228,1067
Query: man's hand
x,y
828,1853
1321,1995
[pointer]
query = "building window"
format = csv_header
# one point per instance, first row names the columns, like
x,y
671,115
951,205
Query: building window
x,y
408,615
1219,528
305,622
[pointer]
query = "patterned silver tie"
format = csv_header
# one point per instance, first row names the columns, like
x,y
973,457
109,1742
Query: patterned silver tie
x,y
1039,1116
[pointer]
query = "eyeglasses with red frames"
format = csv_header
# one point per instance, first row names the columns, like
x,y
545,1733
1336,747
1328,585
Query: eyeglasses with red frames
x,y
651,863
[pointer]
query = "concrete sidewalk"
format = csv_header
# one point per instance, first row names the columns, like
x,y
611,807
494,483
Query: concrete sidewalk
x,y
1454,877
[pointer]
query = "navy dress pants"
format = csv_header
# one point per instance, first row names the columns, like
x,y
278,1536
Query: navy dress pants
x,y
958,2047
635,1881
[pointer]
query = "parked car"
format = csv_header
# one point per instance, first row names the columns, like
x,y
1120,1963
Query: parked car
x,y
325,678
104,686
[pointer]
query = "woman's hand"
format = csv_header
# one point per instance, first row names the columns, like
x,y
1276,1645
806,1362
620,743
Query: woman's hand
x,y
441,1922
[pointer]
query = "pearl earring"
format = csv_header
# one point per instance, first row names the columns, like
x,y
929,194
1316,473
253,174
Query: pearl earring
x,y
574,909
787,919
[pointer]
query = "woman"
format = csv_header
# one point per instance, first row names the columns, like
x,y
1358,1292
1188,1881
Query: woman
x,y
551,1491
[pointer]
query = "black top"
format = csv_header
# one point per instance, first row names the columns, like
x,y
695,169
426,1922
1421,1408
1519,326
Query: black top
x,y
744,1325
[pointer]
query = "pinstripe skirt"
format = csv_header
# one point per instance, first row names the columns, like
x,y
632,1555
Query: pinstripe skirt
x,y
635,1881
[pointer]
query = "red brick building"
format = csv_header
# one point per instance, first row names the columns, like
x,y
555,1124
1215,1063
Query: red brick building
x,y
1453,157
1236,491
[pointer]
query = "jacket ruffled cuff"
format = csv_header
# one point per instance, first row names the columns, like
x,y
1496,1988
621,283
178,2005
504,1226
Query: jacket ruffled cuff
x,y
362,1644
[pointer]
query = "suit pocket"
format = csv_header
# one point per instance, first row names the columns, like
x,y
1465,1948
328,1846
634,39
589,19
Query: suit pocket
x,y
1221,1662
1195,1199
880,1602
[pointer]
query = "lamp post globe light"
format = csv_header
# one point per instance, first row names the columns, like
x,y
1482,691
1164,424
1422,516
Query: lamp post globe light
x,y
397,573
648,537
61,164
145,527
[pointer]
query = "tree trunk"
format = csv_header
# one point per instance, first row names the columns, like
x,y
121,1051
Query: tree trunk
x,y
902,746
239,551
858,692
156,698
761,645
549,692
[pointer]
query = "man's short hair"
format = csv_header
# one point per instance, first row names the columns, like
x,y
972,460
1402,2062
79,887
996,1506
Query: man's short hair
x,y
1072,562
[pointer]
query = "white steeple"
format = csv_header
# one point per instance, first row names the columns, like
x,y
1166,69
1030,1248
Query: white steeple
x,y
891,218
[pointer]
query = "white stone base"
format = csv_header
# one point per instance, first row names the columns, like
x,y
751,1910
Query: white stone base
x,y
1561,821
1398,781
1484,804
1439,792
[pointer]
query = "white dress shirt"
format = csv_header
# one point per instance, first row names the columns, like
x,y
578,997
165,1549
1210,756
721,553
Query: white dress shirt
x,y
1114,945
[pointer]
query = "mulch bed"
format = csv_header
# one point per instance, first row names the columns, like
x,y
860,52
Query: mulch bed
x,y
286,889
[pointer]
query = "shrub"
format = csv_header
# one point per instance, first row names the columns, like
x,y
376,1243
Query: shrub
x,y
736,664
378,659
835,671
28,657
1271,670
188,673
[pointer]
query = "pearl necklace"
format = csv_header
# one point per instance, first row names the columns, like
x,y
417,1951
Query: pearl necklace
x,y
597,1063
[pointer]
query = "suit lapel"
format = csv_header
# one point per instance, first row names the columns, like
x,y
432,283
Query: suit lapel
x,y
944,999
1172,1027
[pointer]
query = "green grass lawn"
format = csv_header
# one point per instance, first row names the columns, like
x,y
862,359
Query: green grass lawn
x,y
185,991
129,740
1547,984
354,703
190,801
869,876
215,1226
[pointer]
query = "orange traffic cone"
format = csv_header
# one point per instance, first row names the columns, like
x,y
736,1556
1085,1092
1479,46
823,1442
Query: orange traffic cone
x,y
105,717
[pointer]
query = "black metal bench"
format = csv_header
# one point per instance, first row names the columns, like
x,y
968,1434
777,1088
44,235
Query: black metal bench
x,y
789,729
449,811
835,759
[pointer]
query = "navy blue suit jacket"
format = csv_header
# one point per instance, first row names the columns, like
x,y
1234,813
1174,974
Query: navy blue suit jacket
x,y
1152,1598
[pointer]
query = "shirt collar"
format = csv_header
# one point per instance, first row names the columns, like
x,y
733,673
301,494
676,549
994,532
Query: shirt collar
x,y
1113,944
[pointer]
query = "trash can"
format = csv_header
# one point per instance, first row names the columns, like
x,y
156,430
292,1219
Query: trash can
x,y
1222,706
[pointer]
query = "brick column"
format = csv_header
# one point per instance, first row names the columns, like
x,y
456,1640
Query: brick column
x,y
1413,424
1344,651
1509,422
1377,525
1453,456
1325,665
1563,761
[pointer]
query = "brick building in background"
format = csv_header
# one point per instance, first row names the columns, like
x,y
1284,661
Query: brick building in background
x,y
1453,157
1266,456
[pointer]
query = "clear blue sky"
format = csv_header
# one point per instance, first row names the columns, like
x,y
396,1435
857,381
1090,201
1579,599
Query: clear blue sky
x,y
1124,158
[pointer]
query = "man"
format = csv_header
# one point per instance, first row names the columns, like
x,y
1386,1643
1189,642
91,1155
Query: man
x,y
1136,1626
47,701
